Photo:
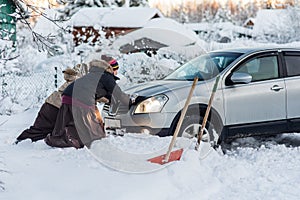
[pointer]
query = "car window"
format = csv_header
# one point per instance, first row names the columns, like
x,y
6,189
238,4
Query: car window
x,y
292,65
261,68
204,67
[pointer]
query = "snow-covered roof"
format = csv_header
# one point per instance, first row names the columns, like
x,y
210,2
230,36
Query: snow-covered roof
x,y
163,30
268,20
89,16
132,17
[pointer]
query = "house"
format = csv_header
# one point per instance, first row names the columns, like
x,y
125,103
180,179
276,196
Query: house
x,y
89,23
249,23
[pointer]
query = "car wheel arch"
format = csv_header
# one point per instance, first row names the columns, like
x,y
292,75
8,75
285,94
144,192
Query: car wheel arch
x,y
194,109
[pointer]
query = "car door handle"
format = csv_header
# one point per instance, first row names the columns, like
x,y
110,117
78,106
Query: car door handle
x,y
276,88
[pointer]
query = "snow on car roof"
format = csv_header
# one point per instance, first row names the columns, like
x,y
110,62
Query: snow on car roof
x,y
257,49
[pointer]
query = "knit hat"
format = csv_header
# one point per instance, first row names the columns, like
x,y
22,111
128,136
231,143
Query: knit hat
x,y
114,64
69,71
69,74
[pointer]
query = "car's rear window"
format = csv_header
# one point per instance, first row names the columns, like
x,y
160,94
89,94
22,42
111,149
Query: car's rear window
x,y
292,65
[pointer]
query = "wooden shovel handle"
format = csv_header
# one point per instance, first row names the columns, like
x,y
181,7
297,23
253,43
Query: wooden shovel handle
x,y
207,113
187,102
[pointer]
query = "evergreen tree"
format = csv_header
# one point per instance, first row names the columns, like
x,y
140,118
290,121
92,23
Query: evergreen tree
x,y
137,3
71,6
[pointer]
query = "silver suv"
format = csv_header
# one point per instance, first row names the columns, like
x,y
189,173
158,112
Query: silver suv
x,y
258,93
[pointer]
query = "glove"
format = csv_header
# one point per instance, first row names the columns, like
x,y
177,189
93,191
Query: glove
x,y
133,97
103,100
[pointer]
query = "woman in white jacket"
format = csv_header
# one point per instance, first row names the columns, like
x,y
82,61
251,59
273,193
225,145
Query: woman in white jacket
x,y
45,121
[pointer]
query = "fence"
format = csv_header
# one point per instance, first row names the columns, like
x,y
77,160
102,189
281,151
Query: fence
x,y
20,92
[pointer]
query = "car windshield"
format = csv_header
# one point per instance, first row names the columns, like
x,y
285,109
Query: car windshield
x,y
204,67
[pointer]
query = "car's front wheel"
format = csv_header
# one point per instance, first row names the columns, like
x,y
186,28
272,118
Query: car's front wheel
x,y
191,128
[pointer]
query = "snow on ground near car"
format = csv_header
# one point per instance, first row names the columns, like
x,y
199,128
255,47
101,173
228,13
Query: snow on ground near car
x,y
250,169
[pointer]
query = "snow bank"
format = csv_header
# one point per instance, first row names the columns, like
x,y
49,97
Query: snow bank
x,y
250,169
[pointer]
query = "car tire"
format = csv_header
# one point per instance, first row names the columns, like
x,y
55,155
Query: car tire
x,y
191,126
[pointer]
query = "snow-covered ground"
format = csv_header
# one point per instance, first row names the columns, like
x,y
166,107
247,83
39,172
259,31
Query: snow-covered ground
x,y
250,169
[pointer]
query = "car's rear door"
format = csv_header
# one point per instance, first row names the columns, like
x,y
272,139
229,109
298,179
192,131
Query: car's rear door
x,y
261,100
292,80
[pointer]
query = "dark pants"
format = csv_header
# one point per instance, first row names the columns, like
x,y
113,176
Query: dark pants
x,y
75,126
43,124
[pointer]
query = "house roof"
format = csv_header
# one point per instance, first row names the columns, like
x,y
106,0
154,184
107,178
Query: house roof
x,y
164,31
132,17
249,20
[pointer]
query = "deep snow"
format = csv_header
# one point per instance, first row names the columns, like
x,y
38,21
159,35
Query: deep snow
x,y
250,169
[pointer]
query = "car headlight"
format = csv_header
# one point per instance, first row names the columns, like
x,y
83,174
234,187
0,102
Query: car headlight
x,y
152,104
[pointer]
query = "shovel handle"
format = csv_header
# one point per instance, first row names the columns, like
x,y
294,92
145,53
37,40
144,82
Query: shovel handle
x,y
187,102
207,113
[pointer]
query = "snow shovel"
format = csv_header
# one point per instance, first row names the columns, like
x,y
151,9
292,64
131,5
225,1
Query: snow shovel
x,y
207,113
175,155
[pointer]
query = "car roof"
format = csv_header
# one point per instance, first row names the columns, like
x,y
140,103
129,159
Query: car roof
x,y
247,50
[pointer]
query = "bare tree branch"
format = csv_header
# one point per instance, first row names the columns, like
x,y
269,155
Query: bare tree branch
x,y
11,58
44,43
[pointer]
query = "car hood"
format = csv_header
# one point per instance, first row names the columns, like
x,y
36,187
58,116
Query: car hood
x,y
157,87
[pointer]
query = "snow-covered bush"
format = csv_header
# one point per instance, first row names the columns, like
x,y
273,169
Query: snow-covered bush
x,y
139,67
278,26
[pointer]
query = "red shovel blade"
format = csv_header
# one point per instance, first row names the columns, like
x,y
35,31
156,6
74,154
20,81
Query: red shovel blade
x,y
175,155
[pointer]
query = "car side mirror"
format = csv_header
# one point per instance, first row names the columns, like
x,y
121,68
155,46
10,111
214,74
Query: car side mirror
x,y
240,77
